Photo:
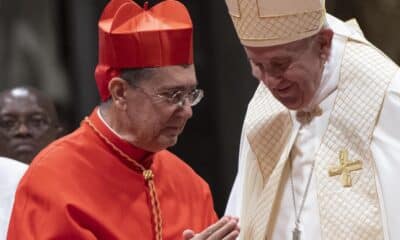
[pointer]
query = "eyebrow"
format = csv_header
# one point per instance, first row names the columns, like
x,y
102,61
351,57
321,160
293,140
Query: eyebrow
x,y
29,112
275,59
281,59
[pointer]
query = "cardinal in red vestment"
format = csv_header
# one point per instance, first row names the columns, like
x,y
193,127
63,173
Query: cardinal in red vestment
x,y
113,178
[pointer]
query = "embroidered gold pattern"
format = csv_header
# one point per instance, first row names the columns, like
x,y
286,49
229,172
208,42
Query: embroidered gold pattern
x,y
305,117
345,168
251,25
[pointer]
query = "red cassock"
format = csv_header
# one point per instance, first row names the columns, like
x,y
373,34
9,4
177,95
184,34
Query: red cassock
x,y
81,188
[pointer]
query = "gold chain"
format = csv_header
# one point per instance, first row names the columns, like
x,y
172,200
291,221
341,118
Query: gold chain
x,y
148,177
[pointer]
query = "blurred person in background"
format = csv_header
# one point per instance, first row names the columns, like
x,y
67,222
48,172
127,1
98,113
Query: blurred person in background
x,y
28,123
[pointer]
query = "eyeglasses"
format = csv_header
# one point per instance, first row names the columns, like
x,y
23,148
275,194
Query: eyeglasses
x,y
177,97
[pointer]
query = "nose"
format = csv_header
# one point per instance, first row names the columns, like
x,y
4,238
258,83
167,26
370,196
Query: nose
x,y
185,109
23,130
275,72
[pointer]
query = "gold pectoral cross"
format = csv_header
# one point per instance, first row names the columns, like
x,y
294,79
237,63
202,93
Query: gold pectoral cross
x,y
345,168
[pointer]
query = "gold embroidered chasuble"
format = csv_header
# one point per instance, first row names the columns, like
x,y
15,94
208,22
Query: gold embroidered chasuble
x,y
345,213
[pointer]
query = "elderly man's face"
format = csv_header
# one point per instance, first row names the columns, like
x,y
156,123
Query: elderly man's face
x,y
26,124
153,122
292,72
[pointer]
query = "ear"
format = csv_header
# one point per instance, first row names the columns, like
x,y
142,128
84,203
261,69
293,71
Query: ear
x,y
325,42
118,88
251,52
255,70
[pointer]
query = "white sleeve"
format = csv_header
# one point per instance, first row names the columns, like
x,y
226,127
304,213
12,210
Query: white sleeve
x,y
11,172
385,147
234,204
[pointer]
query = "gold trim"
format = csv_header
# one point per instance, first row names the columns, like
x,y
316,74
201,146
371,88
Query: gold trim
x,y
266,39
148,177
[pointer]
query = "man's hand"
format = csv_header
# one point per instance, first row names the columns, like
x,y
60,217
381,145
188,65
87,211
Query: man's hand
x,y
225,229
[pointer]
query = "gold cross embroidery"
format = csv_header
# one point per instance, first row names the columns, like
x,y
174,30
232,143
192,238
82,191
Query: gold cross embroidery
x,y
345,168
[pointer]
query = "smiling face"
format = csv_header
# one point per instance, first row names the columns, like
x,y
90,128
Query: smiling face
x,y
144,116
27,123
292,72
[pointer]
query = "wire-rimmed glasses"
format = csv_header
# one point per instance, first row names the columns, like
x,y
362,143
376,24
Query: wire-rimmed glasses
x,y
177,97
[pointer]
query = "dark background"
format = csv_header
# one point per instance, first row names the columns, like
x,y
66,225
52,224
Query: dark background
x,y
52,44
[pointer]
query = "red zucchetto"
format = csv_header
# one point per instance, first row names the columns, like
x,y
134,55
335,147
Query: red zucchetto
x,y
135,37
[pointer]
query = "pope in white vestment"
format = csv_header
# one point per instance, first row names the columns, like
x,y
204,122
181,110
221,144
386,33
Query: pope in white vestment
x,y
349,151
11,172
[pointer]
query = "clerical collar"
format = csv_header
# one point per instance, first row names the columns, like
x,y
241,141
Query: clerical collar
x,y
106,124
140,155
324,107
305,117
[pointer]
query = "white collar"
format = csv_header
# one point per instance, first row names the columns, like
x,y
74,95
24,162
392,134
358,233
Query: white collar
x,y
106,124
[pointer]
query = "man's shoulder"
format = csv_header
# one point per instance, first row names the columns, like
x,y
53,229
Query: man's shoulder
x,y
177,167
68,145
171,160
69,153
348,29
